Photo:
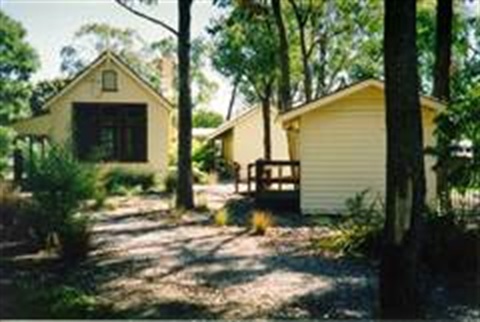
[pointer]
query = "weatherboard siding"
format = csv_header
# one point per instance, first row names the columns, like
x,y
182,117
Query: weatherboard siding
x,y
343,151
89,90
248,140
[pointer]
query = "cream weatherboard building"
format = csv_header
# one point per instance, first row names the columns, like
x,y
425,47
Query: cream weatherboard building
x,y
109,111
340,142
241,139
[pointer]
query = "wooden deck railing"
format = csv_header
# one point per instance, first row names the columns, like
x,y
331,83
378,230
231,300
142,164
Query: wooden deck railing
x,y
272,175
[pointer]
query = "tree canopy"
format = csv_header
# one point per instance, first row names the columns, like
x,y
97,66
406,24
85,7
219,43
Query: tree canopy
x,y
204,118
18,61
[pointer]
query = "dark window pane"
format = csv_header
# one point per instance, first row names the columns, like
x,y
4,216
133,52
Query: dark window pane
x,y
111,132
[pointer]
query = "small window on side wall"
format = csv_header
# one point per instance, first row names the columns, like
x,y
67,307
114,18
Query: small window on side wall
x,y
109,81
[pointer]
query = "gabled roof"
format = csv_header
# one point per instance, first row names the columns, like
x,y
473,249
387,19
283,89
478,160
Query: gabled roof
x,y
108,56
224,127
425,101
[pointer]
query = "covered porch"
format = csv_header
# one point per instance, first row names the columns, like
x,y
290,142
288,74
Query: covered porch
x,y
32,138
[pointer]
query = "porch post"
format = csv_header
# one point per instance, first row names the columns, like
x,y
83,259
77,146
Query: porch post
x,y
18,163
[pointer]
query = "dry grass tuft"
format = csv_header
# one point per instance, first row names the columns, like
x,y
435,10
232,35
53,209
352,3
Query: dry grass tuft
x,y
260,222
221,217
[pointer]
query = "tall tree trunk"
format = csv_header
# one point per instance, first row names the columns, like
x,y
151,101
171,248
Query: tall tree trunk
x,y
301,22
321,74
441,89
267,141
307,77
285,101
185,182
443,50
405,187
232,100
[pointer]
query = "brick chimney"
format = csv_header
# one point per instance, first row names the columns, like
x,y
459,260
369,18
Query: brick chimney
x,y
167,68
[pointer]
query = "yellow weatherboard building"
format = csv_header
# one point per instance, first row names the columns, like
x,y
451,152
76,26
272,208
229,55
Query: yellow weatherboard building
x,y
107,108
340,140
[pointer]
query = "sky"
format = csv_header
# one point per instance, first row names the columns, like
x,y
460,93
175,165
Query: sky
x,y
51,24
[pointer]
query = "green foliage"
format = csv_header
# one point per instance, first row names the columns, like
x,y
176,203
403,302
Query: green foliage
x,y
459,122
10,202
451,244
118,181
204,118
18,61
246,51
43,91
74,237
6,144
359,232
207,158
170,181
60,184
63,302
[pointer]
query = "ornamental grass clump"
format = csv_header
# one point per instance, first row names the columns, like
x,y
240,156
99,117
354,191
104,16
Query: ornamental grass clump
x,y
260,222
221,217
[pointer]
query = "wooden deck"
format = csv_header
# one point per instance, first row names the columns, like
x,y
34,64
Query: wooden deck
x,y
273,183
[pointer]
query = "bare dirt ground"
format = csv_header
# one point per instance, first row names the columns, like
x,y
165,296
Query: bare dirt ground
x,y
148,262
156,265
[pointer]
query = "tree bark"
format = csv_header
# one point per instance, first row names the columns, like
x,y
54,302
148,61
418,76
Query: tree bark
x,y
307,77
443,50
232,100
267,142
405,187
441,89
185,182
285,100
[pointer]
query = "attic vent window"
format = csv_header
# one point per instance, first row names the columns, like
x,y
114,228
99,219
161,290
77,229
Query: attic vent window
x,y
109,81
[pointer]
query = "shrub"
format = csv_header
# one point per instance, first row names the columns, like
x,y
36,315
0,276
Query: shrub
x,y
170,181
120,181
74,237
63,302
359,232
9,204
221,217
451,245
60,185
260,222
6,143
207,158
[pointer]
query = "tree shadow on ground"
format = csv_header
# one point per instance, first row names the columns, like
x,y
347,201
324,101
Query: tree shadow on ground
x,y
342,301
177,310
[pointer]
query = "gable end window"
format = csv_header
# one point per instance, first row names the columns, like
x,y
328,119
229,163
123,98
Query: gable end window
x,y
109,81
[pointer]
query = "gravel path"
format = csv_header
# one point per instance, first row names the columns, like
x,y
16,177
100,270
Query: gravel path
x,y
151,264
154,265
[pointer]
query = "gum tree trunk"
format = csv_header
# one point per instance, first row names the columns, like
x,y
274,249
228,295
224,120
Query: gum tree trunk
x,y
405,188
441,88
285,101
267,142
185,182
